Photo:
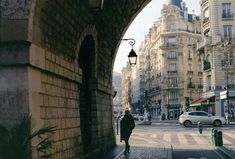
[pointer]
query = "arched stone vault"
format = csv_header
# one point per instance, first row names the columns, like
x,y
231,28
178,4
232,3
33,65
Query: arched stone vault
x,y
40,41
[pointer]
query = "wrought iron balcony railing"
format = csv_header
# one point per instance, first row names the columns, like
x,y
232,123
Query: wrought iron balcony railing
x,y
206,65
191,85
227,16
205,20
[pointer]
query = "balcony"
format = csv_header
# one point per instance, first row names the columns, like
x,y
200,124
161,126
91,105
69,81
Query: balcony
x,y
227,16
191,85
203,1
200,73
168,45
208,88
151,90
230,38
172,72
207,41
174,85
205,20
171,58
199,86
159,75
206,65
190,73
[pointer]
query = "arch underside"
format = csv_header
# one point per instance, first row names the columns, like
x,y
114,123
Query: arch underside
x,y
59,84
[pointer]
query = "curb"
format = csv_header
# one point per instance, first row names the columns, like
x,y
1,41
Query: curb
x,y
226,153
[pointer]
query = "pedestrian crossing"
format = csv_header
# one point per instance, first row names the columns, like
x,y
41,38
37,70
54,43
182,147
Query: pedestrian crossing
x,y
184,138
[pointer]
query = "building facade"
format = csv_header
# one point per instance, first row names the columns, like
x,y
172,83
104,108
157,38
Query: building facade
x,y
171,68
217,53
126,86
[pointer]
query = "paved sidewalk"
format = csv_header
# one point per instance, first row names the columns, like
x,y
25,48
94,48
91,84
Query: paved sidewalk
x,y
155,150
139,152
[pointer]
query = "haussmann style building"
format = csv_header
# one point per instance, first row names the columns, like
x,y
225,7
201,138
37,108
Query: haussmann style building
x,y
171,65
217,52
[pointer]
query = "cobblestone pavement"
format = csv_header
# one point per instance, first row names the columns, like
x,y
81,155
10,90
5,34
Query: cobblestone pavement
x,y
142,148
138,152
147,145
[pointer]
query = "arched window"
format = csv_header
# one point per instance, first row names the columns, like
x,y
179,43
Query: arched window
x,y
170,24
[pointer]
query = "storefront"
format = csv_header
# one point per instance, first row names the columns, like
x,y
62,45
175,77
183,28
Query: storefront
x,y
227,106
204,104
174,111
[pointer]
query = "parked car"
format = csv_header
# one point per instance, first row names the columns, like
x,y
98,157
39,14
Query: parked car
x,y
193,117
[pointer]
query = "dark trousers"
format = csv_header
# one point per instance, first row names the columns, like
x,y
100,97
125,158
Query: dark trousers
x,y
127,146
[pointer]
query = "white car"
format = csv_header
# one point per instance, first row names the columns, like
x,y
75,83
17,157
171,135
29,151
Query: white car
x,y
138,117
193,117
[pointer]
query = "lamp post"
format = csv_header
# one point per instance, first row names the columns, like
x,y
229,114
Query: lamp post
x,y
132,55
168,104
169,82
226,62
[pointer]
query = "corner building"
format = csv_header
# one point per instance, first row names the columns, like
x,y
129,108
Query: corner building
x,y
173,71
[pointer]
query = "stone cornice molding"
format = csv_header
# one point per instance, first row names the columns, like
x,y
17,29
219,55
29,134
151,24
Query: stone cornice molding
x,y
15,9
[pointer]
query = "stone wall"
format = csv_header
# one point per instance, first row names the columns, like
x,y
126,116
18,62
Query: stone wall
x,y
54,84
13,81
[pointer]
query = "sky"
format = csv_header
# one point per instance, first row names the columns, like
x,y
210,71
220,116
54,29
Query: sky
x,y
140,27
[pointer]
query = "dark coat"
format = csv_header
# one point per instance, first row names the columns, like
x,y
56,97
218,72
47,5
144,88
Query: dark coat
x,y
127,124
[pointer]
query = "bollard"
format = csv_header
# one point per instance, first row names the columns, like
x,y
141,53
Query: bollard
x,y
117,122
214,140
219,138
212,135
199,125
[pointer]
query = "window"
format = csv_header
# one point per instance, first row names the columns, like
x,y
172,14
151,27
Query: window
x,y
171,41
171,24
199,67
172,55
174,80
190,67
173,95
171,27
172,67
227,32
200,81
226,10
209,82
189,55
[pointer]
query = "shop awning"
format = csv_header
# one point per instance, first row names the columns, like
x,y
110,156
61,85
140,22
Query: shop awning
x,y
203,101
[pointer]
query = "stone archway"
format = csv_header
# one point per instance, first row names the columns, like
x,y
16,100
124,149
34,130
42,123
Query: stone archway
x,y
85,60
39,40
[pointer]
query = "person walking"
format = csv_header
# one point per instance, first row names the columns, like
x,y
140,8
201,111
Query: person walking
x,y
127,125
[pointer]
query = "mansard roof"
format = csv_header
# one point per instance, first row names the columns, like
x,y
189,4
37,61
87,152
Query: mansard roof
x,y
175,2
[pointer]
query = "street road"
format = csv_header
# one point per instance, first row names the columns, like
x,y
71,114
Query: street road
x,y
187,143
